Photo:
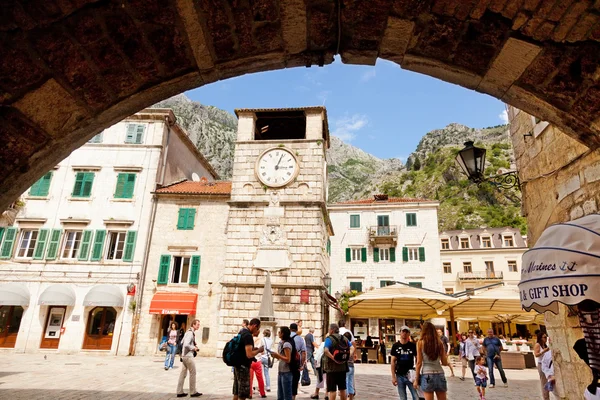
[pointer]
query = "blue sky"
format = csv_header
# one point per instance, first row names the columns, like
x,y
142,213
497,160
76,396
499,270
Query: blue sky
x,y
383,110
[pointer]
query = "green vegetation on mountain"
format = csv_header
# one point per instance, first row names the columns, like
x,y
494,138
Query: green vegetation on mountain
x,y
430,171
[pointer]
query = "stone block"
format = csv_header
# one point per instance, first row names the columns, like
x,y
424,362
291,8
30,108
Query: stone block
x,y
567,187
592,173
590,207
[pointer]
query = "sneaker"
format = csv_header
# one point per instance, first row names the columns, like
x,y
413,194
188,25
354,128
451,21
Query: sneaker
x,y
268,389
505,384
166,368
492,386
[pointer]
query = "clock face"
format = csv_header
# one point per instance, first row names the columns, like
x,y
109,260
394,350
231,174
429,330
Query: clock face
x,y
276,167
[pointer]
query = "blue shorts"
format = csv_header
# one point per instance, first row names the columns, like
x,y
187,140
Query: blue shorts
x,y
434,383
480,382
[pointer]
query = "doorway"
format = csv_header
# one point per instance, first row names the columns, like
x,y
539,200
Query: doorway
x,y
383,225
166,323
10,321
100,328
54,324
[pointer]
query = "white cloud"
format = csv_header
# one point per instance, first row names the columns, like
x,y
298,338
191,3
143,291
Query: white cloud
x,y
503,117
370,74
347,127
323,96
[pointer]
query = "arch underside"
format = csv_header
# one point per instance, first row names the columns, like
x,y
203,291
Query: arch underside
x,y
70,68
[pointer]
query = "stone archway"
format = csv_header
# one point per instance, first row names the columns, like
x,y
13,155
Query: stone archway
x,y
72,67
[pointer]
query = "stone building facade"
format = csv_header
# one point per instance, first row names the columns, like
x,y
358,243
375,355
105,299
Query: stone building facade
x,y
283,230
560,180
186,260
76,250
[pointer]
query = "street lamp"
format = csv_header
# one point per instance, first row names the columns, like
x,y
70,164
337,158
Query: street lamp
x,y
472,161
327,281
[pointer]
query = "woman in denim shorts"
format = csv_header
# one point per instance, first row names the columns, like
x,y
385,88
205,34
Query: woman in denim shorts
x,y
430,358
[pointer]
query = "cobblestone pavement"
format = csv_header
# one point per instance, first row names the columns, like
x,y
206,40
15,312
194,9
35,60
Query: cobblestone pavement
x,y
30,376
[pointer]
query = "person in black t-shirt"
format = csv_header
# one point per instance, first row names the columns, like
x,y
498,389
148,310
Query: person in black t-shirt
x,y
241,373
403,355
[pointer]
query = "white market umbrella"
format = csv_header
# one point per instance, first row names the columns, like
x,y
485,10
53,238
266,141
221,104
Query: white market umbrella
x,y
563,266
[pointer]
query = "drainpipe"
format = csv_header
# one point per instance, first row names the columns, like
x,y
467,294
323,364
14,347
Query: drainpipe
x,y
138,310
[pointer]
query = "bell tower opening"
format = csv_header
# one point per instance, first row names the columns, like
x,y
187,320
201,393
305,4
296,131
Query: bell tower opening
x,y
286,125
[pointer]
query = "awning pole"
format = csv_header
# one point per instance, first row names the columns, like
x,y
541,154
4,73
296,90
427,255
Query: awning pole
x,y
452,330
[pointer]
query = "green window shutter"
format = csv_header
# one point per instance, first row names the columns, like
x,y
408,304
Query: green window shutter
x,y
8,244
363,254
375,254
86,243
125,186
2,229
130,138
53,244
356,286
163,272
421,253
42,186
328,246
355,221
348,254
182,218
78,188
40,245
195,271
139,133
129,186
129,246
191,214
405,254
392,254
411,219
98,245
120,189
87,184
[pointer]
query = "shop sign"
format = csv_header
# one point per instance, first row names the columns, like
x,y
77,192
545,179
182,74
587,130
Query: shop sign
x,y
169,312
304,296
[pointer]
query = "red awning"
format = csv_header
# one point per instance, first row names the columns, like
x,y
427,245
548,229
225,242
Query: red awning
x,y
174,303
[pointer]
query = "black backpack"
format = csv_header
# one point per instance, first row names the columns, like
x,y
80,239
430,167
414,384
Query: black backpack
x,y
232,351
341,349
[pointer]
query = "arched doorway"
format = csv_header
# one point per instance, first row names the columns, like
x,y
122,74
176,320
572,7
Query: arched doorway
x,y
100,328
10,321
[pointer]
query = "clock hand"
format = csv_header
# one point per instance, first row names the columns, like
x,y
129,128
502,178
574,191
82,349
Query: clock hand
x,y
280,158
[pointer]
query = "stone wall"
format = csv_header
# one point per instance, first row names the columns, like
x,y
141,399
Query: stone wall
x,y
560,181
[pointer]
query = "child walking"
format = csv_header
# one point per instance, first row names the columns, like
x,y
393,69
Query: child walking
x,y
481,376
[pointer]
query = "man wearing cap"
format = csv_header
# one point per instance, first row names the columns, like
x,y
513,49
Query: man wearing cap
x,y
403,362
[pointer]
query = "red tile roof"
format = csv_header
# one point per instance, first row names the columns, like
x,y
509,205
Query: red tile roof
x,y
389,200
202,187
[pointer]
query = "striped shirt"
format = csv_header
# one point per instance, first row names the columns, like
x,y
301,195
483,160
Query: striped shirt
x,y
590,324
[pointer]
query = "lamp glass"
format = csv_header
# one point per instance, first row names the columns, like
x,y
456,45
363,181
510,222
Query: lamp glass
x,y
472,161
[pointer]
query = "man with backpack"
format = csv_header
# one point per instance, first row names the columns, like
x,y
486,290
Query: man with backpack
x,y
300,347
188,352
240,352
336,355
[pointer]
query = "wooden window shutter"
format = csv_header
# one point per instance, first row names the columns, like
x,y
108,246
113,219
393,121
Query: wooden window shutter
x,y
2,230
195,271
139,133
40,245
8,244
421,253
54,244
129,186
86,243
120,189
163,271
405,254
348,254
78,188
191,215
130,138
392,254
363,254
42,186
182,218
98,245
88,181
129,246
375,254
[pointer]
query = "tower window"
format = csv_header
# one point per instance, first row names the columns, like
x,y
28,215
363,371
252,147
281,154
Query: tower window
x,y
286,125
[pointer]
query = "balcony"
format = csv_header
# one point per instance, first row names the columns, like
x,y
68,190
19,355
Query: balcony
x,y
383,235
480,276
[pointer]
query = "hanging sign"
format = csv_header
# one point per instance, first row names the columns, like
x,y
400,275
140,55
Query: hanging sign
x,y
304,296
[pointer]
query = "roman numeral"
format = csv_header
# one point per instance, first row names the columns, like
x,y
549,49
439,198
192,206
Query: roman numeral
x,y
289,173
264,174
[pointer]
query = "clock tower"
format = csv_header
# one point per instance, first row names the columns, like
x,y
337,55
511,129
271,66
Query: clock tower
x,y
278,227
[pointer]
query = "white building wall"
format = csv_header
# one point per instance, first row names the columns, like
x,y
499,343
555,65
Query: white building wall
x,y
370,273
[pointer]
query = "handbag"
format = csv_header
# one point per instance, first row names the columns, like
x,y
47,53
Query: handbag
x,y
305,381
412,375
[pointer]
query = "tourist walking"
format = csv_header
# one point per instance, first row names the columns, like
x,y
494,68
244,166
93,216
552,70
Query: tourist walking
x,y
300,347
462,355
318,356
256,368
430,358
492,347
188,352
481,376
336,366
472,350
311,346
265,358
350,373
284,372
241,372
172,335
403,364
539,349
446,343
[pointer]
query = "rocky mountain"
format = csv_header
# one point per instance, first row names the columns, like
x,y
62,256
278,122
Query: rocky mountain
x,y
430,171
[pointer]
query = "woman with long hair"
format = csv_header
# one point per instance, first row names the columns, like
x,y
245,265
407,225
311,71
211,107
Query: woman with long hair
x,y
172,334
284,355
431,356
541,348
